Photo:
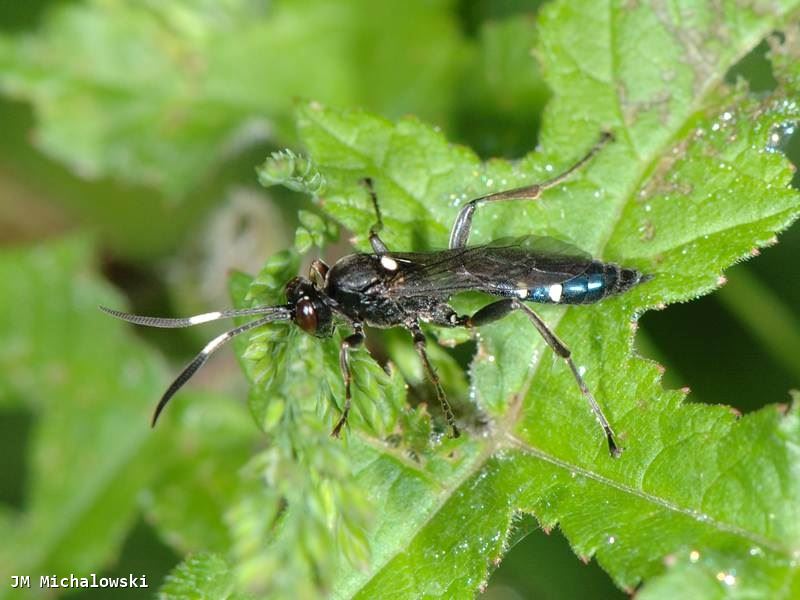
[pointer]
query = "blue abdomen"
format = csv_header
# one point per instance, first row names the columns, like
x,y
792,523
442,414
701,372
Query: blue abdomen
x,y
594,284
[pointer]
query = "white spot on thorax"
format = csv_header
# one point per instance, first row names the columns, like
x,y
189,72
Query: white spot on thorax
x,y
388,263
555,291
522,293
205,318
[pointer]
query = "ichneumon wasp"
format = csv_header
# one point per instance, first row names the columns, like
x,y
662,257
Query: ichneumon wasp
x,y
404,289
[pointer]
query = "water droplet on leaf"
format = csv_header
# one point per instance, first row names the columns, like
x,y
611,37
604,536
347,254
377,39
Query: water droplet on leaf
x,y
779,135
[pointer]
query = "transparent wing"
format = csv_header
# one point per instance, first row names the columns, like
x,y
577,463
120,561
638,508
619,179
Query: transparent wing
x,y
502,265
542,245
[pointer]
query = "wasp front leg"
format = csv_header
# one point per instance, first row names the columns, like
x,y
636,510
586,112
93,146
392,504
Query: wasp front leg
x,y
351,341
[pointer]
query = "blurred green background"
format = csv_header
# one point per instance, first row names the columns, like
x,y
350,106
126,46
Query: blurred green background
x,y
142,124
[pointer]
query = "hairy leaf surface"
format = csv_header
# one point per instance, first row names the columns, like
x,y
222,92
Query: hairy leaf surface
x,y
692,184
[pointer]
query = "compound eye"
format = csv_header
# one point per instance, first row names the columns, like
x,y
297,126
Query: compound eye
x,y
306,316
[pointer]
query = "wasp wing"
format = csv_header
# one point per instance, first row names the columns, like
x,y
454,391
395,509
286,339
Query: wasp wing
x,y
500,267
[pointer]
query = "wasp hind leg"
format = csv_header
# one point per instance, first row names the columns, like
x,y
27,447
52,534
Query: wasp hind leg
x,y
498,310
463,223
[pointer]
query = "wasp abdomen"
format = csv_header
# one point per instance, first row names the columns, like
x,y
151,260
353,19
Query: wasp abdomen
x,y
597,282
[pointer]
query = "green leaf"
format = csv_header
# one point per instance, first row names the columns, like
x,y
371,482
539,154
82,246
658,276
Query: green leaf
x,y
93,460
160,93
690,186
290,170
296,382
89,385
200,576
702,501
209,439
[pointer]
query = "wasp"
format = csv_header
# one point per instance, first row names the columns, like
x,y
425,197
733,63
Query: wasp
x,y
385,289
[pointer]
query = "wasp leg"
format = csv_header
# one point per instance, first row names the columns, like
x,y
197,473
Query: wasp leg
x,y
419,344
500,309
349,342
317,272
378,246
461,228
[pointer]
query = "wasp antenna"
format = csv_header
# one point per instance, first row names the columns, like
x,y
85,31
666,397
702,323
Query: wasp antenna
x,y
181,379
279,314
190,321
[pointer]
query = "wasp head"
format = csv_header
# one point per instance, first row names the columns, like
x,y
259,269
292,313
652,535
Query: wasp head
x,y
311,313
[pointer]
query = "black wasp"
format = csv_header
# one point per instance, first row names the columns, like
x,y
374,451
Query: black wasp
x,y
404,289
